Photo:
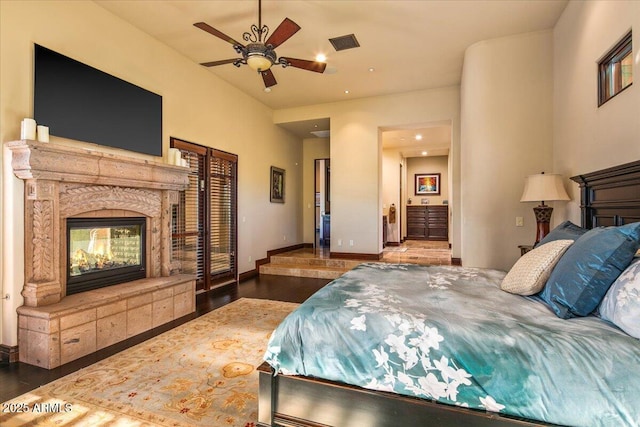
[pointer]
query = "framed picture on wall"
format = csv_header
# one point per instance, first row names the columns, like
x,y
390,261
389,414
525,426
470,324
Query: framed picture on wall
x,y
427,184
277,185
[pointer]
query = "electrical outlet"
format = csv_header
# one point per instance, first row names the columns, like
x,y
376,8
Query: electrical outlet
x,y
250,258
339,242
350,242
519,221
284,238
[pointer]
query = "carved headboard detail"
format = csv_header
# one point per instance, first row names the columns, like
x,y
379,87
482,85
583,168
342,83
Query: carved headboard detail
x,y
610,196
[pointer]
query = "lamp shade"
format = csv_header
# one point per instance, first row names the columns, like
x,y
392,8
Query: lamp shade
x,y
541,187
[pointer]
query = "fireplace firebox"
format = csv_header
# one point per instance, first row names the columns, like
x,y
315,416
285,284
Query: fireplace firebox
x,y
104,251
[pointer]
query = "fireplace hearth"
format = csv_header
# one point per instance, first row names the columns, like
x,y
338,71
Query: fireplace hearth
x,y
104,251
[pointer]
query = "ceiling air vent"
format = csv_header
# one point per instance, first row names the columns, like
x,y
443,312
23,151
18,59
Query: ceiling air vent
x,y
344,42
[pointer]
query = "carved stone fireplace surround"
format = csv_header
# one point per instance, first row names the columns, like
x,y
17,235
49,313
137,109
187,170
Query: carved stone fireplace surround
x,y
63,182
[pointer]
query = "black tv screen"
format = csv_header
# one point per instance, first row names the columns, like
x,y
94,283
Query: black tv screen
x,y
80,102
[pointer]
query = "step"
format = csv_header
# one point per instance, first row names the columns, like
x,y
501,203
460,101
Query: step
x,y
303,270
346,264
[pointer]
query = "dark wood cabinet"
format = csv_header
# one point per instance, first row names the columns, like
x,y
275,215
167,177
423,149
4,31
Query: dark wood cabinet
x,y
428,222
416,222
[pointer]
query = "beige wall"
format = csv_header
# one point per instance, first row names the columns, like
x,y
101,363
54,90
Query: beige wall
x,y
312,149
357,197
197,107
506,110
588,138
422,165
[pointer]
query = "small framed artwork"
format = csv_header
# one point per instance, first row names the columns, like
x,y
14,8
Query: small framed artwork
x,y
277,185
427,184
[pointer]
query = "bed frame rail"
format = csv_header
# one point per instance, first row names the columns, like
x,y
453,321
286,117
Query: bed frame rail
x,y
295,401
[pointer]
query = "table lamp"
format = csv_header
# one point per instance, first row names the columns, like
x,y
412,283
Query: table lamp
x,y
540,188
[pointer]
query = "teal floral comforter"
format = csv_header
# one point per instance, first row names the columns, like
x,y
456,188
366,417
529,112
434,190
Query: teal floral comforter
x,y
450,334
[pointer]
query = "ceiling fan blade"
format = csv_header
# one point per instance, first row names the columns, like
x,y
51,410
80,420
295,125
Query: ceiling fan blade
x,y
209,29
268,78
221,62
286,29
304,64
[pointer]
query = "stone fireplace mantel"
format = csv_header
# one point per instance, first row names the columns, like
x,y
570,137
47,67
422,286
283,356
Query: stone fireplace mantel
x,y
64,182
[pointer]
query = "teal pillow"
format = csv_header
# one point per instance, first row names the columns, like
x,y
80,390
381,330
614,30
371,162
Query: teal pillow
x,y
565,231
587,269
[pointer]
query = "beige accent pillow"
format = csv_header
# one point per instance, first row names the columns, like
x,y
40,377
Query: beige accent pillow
x,y
531,272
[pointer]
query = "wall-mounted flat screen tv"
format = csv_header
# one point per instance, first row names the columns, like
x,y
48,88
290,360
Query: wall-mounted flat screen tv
x,y
80,102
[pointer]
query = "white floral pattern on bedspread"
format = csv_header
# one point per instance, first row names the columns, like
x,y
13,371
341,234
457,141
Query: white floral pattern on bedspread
x,y
450,334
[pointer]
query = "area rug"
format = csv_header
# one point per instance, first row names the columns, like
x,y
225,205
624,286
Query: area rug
x,y
202,373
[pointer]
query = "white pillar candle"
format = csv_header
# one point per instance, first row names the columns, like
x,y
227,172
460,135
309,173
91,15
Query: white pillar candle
x,y
174,157
28,129
43,133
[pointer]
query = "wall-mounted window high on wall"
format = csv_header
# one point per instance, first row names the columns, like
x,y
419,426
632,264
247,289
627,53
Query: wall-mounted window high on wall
x,y
615,70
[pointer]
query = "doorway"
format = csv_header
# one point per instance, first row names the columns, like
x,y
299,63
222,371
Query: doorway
x,y
423,149
322,216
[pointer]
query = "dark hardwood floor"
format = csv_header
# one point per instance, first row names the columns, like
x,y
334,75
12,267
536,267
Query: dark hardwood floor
x,y
19,378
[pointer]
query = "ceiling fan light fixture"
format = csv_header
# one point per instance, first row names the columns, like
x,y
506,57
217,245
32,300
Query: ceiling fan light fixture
x,y
259,62
259,57
259,52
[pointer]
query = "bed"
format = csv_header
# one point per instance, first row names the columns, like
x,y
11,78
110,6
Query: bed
x,y
391,345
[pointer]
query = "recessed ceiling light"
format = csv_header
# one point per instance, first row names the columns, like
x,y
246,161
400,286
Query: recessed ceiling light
x,y
371,69
346,91
321,57
267,89
424,153
418,137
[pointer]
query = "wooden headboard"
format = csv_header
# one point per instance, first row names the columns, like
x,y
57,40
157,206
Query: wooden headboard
x,y
610,196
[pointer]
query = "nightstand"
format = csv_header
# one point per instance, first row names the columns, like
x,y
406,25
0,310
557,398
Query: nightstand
x,y
524,249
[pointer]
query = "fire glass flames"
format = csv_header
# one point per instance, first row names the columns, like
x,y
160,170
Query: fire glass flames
x,y
104,251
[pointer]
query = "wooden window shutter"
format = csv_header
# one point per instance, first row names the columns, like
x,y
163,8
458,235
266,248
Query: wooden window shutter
x,y
222,214
205,233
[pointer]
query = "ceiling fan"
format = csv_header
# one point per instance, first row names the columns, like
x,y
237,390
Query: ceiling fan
x,y
260,55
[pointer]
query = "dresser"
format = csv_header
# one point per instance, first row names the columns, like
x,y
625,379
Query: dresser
x,y
426,222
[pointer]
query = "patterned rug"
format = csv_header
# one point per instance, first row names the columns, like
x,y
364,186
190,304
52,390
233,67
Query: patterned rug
x,y
201,373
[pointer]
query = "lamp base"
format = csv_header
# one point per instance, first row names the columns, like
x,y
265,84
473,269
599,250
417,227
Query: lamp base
x,y
543,217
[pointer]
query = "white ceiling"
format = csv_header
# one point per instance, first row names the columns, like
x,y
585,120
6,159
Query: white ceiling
x,y
410,45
